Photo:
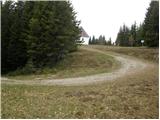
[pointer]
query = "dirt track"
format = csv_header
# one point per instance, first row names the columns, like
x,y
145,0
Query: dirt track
x,y
129,65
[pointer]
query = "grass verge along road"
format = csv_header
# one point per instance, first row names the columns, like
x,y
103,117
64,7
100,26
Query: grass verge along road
x,y
131,96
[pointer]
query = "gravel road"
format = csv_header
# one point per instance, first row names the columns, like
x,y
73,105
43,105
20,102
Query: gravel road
x,y
129,65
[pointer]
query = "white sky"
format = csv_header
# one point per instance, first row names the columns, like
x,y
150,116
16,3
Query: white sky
x,y
106,16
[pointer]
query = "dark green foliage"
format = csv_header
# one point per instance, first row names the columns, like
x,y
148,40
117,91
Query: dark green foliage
x,y
6,17
52,32
140,35
151,25
136,35
123,36
90,40
38,33
98,41
93,40
109,42
101,40
133,35
17,53
148,31
13,45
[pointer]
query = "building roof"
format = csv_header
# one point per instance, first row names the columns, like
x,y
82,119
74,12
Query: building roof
x,y
83,33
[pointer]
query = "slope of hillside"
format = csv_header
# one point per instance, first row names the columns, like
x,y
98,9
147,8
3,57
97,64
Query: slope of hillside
x,y
149,54
76,64
133,95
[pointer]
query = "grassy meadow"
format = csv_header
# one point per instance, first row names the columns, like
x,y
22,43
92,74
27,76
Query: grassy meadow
x,y
133,96
149,54
76,64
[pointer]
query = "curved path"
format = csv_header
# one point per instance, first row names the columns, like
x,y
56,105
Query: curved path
x,y
129,65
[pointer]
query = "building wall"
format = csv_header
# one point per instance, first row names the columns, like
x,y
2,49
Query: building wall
x,y
85,39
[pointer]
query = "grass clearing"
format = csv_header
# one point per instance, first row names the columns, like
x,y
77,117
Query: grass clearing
x,y
130,97
134,96
150,54
80,63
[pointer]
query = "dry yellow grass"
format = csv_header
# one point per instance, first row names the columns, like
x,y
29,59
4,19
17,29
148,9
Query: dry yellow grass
x,y
79,63
132,96
151,54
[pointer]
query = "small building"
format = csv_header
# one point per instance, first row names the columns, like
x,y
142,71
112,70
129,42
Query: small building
x,y
84,37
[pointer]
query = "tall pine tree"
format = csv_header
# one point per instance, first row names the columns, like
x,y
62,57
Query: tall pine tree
x,y
123,36
151,25
37,32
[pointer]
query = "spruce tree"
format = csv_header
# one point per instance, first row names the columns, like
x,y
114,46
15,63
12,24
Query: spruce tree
x,y
38,33
110,41
93,40
119,37
133,35
90,41
53,33
17,47
123,36
6,20
140,34
151,25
